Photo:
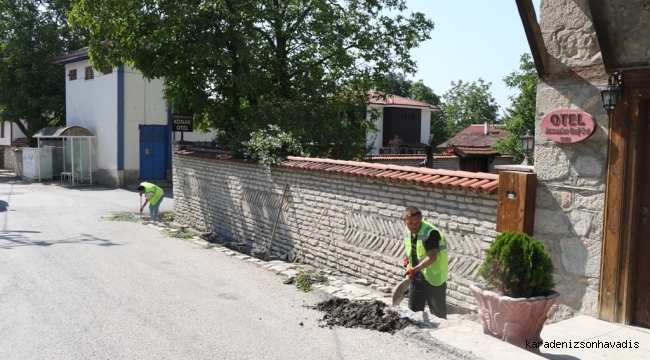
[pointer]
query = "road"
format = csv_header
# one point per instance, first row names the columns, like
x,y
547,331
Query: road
x,y
76,286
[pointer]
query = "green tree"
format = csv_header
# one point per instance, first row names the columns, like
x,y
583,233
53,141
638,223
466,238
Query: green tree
x,y
468,103
241,66
520,116
32,88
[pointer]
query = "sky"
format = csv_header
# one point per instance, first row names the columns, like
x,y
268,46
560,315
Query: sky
x,y
471,39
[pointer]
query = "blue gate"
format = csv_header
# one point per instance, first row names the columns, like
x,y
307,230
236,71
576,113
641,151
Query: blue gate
x,y
153,152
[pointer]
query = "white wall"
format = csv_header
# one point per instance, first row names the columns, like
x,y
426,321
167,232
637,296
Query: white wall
x,y
93,104
425,129
143,105
16,132
6,139
375,138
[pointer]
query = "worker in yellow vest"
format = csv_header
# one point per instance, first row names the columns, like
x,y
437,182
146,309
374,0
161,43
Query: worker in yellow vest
x,y
426,263
153,195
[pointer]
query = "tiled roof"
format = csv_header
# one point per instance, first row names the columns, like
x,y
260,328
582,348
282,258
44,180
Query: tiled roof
x,y
377,98
474,136
444,179
475,150
406,157
81,53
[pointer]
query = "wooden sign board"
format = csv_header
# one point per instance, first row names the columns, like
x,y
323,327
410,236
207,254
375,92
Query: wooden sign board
x,y
568,125
183,122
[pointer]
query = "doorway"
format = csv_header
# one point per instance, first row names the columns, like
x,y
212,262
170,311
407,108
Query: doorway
x,y
624,293
641,240
153,154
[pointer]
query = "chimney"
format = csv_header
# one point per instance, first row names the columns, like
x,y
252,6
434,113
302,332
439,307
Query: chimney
x,y
487,128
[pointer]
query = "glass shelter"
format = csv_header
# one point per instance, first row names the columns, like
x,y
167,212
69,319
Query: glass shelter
x,y
72,155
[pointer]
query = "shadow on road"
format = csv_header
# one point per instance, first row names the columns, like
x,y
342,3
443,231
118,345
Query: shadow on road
x,y
17,238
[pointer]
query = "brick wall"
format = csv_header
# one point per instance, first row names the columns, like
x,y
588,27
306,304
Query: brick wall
x,y
361,233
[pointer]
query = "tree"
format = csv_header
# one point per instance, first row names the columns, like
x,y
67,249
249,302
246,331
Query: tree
x,y
468,103
32,88
520,116
241,66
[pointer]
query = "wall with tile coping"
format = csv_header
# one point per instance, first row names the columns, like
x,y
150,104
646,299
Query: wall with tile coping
x,y
361,233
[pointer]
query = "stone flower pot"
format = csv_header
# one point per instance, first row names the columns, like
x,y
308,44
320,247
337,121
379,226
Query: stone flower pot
x,y
514,320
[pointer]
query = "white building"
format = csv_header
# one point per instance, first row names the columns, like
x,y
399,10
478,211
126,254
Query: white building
x,y
408,119
128,116
10,136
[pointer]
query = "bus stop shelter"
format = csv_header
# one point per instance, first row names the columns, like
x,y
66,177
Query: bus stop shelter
x,y
72,155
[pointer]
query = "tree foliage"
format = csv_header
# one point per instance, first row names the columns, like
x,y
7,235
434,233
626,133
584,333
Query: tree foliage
x,y
468,103
237,64
32,88
520,116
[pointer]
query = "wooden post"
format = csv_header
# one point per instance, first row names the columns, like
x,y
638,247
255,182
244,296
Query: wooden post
x,y
516,205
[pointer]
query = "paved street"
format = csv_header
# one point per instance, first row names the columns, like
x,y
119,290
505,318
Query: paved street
x,y
76,286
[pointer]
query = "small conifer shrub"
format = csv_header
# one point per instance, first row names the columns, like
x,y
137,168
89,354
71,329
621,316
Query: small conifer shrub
x,y
518,266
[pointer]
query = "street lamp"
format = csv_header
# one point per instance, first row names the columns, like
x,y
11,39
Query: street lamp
x,y
527,144
612,92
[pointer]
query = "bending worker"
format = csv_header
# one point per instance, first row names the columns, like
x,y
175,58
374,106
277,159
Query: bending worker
x,y
154,196
426,263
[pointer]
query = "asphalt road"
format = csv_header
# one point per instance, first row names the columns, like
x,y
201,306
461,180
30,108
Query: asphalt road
x,y
76,286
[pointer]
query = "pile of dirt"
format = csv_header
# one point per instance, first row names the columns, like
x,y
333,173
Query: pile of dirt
x,y
361,314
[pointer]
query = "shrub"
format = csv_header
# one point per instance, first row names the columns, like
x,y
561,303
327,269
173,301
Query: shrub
x,y
518,266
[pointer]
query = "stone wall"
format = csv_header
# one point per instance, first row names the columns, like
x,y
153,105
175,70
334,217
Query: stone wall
x,y
9,157
571,177
361,233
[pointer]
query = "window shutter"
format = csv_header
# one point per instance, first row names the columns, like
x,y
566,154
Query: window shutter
x,y
72,74
89,73
108,70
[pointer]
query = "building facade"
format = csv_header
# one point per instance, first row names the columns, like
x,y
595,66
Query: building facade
x,y
128,116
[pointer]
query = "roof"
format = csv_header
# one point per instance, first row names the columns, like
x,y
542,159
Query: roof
x,y
377,98
473,136
78,55
465,151
437,178
67,131
406,157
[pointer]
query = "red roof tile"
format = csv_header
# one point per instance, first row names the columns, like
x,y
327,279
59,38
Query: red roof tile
x,y
406,157
474,136
439,178
377,98
444,179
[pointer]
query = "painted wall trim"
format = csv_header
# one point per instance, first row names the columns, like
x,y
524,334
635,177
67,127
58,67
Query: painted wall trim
x,y
73,60
120,118
169,137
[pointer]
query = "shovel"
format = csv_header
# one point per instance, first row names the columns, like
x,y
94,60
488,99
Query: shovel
x,y
400,291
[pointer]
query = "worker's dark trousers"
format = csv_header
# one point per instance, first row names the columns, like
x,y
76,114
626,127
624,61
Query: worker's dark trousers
x,y
422,292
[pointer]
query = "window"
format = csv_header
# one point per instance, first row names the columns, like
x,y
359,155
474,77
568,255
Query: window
x,y
108,70
72,74
2,129
89,73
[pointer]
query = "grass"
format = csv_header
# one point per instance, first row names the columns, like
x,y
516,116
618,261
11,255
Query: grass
x,y
305,278
211,245
124,217
180,234
168,217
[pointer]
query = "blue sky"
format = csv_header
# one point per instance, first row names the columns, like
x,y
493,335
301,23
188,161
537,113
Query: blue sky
x,y
472,39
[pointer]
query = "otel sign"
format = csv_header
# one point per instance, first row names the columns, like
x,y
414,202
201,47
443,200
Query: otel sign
x,y
568,125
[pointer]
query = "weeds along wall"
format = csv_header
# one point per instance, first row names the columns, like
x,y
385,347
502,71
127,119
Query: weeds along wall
x,y
361,233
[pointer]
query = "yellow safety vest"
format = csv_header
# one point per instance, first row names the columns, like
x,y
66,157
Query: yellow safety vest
x,y
155,191
436,273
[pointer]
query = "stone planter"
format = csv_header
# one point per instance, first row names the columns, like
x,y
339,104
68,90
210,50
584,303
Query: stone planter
x,y
514,320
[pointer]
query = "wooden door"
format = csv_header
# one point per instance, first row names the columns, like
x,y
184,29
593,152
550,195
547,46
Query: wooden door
x,y
641,297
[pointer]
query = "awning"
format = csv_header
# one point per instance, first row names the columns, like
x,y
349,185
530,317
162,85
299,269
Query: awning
x,y
67,131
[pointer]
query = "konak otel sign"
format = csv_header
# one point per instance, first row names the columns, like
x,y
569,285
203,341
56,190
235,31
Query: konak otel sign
x,y
568,125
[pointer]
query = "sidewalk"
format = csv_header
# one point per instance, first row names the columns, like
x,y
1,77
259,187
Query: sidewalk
x,y
465,332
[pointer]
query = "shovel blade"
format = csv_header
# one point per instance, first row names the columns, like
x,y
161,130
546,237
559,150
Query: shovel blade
x,y
400,290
